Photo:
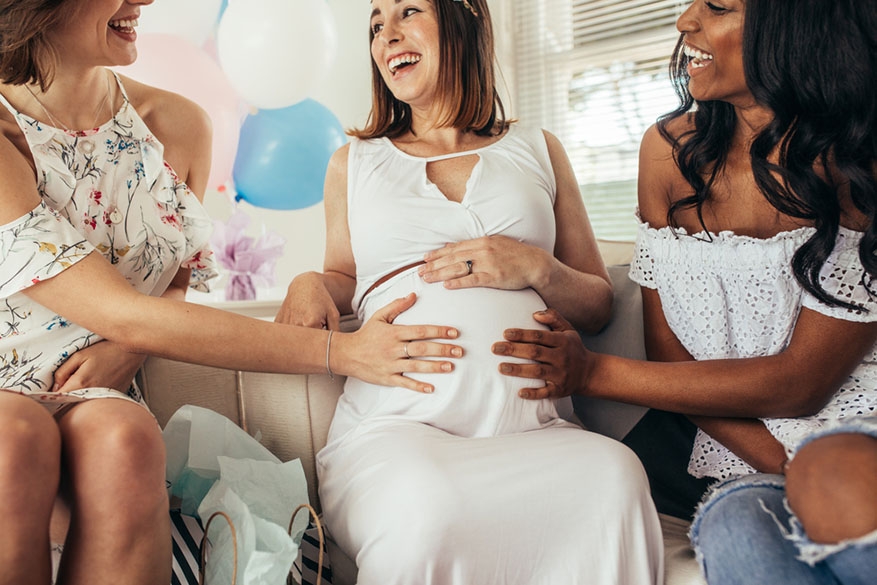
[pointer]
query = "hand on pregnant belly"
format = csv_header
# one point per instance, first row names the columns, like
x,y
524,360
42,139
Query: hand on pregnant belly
x,y
558,357
492,261
481,315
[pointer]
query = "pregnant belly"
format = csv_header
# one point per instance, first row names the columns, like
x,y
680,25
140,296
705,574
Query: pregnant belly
x,y
475,399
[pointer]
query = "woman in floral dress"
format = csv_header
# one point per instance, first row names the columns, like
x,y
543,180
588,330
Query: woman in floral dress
x,y
100,181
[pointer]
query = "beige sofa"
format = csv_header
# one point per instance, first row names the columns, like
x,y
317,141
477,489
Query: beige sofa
x,y
291,413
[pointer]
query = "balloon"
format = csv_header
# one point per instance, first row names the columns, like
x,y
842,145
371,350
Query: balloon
x,y
276,52
193,20
172,63
284,153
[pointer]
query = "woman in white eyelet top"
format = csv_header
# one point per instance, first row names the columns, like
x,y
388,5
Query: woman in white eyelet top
x,y
756,254
727,296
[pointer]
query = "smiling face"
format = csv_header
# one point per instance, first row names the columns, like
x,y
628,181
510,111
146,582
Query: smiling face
x,y
405,49
713,43
99,32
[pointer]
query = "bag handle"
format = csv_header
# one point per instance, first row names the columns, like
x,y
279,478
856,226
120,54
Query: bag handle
x,y
234,542
322,539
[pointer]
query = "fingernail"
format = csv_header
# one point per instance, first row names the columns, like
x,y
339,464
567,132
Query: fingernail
x,y
453,333
446,367
505,368
457,352
500,348
427,389
524,394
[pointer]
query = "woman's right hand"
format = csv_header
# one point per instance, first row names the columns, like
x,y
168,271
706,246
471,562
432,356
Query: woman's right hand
x,y
380,352
308,303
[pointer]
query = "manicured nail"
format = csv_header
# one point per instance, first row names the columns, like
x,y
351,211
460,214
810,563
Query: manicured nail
x,y
452,333
457,352
446,367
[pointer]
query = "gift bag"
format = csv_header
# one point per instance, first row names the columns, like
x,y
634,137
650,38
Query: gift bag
x,y
218,470
194,438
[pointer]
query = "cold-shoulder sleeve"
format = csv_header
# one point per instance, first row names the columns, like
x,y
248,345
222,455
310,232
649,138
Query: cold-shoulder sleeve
x,y
181,207
843,276
641,265
36,247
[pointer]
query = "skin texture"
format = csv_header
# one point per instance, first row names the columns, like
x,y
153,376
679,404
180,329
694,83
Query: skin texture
x,y
725,397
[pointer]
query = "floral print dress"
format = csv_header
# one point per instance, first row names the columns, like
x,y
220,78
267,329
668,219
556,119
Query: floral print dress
x,y
107,190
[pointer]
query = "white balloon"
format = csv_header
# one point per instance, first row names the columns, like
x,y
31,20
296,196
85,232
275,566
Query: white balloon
x,y
193,20
276,52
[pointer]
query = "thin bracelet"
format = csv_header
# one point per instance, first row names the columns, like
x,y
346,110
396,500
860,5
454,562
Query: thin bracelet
x,y
328,345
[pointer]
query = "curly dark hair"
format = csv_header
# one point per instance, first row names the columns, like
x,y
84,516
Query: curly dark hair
x,y
25,54
466,75
813,63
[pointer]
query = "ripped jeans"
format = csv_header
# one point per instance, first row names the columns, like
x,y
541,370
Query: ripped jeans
x,y
745,533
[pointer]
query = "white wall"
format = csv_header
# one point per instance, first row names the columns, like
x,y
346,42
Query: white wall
x,y
347,93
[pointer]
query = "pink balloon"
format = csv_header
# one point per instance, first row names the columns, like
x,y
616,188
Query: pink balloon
x,y
175,64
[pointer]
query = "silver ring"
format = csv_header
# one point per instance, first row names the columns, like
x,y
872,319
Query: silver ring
x,y
405,349
468,267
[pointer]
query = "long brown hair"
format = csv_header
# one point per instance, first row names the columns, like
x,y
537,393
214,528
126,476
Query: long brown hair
x,y
26,56
467,78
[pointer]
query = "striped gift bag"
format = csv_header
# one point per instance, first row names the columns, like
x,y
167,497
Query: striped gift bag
x,y
187,534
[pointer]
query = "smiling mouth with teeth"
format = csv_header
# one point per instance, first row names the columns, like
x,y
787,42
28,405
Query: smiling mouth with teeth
x,y
697,58
401,61
124,26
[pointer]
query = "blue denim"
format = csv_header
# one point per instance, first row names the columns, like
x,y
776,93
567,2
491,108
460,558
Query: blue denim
x,y
745,533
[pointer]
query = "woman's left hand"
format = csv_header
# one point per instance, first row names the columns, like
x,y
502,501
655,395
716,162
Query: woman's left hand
x,y
102,365
491,261
560,357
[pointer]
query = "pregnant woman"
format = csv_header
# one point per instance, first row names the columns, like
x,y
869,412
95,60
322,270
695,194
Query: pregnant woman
x,y
462,481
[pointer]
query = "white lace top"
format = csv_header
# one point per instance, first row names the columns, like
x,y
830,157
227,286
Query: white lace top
x,y
736,297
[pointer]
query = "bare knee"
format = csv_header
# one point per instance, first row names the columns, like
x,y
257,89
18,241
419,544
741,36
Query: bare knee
x,y
30,445
123,453
829,485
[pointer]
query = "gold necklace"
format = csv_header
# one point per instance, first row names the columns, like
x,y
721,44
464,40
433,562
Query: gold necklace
x,y
57,123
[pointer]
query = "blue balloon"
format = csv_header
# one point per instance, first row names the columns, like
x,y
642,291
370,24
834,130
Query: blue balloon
x,y
283,155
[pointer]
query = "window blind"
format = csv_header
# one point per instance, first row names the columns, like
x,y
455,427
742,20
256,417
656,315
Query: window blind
x,y
594,72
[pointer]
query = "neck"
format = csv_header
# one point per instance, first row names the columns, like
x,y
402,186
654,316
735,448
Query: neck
x,y
751,121
79,101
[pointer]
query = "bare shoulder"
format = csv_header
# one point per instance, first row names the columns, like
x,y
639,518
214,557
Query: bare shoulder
x,y
338,162
172,118
555,147
18,192
659,181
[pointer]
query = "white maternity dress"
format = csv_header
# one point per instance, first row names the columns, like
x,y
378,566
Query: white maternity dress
x,y
472,484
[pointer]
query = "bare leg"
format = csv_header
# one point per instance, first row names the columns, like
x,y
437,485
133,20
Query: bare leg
x,y
30,461
114,483
830,487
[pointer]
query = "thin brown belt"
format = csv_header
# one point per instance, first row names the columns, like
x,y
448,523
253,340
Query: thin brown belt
x,y
390,275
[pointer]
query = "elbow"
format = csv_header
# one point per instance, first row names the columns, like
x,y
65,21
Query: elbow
x,y
599,314
802,399
126,336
